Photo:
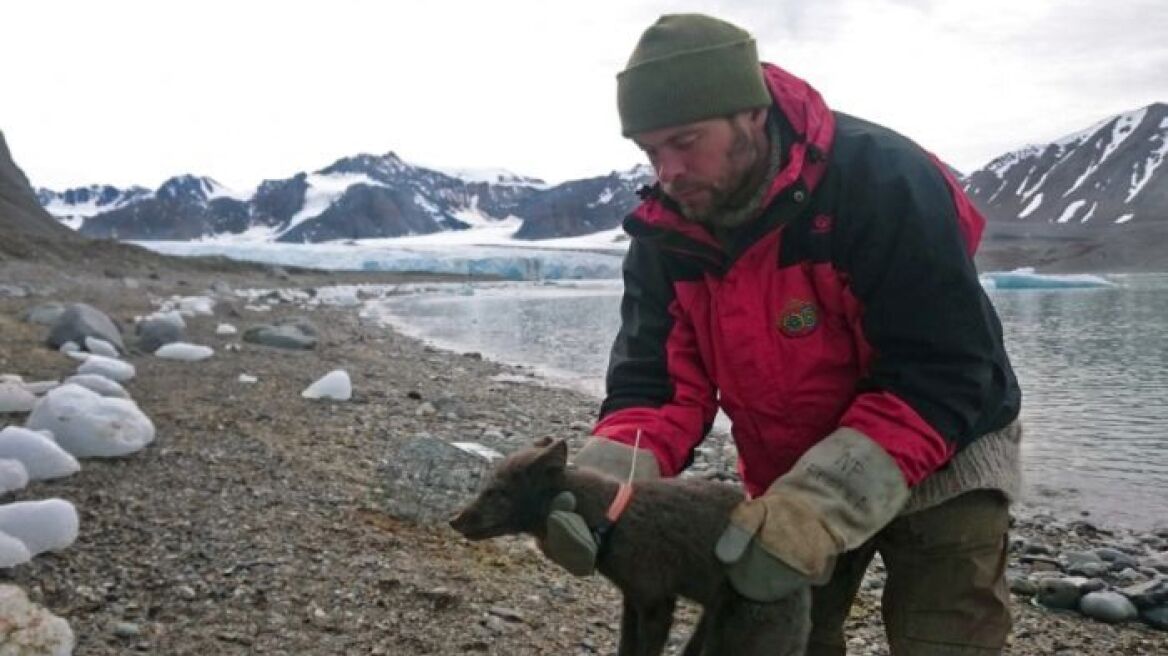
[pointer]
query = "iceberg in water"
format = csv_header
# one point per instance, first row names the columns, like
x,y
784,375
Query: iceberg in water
x,y
1026,278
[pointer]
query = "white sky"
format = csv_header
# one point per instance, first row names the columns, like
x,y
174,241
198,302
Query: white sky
x,y
125,92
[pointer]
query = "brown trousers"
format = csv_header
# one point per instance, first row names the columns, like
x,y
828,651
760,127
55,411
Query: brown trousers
x,y
946,592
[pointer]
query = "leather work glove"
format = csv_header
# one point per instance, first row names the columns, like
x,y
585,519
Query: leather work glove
x,y
837,496
569,541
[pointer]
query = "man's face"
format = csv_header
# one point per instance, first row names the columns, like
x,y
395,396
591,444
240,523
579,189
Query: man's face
x,y
706,166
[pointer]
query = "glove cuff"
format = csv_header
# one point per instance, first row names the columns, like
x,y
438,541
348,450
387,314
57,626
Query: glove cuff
x,y
615,459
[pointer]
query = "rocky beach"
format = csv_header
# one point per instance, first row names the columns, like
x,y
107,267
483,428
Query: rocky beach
x,y
259,521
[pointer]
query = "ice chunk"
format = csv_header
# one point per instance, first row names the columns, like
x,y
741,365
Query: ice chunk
x,y
225,329
12,553
100,384
14,397
1026,278
112,368
478,450
99,346
334,385
42,457
48,525
87,424
184,351
13,475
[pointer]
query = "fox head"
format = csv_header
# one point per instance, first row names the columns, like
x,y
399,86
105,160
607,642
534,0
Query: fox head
x,y
517,497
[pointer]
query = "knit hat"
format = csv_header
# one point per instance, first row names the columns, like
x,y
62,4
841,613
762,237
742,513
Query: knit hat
x,y
686,68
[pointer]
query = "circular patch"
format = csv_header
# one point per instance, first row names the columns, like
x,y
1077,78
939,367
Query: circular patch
x,y
799,318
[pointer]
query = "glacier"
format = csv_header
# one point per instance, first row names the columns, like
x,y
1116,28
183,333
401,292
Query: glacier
x,y
503,261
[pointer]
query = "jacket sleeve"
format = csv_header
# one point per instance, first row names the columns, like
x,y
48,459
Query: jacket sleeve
x,y
937,371
656,380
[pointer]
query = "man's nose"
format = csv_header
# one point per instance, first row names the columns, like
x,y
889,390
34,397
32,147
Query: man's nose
x,y
669,168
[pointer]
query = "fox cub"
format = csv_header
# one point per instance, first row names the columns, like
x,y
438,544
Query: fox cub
x,y
660,548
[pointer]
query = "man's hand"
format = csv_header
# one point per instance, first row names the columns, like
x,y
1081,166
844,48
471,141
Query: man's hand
x,y
840,493
569,542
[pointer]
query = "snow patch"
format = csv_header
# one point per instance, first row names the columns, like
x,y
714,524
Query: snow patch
x,y
323,190
1069,211
1034,203
1155,158
1124,126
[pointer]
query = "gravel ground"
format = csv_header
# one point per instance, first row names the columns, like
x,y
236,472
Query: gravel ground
x,y
255,522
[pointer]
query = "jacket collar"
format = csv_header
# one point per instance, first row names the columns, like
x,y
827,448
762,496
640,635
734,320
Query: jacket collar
x,y
812,124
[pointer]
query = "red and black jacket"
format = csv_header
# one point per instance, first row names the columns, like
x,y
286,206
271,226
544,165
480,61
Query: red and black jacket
x,y
852,300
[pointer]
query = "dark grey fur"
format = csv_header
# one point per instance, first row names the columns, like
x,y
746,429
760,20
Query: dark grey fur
x,y
660,549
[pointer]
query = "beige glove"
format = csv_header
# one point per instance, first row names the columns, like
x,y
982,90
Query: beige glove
x,y
839,494
615,459
569,542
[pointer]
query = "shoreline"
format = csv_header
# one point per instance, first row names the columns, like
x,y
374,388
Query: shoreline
x,y
255,524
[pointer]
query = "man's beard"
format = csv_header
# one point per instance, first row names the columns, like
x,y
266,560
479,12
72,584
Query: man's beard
x,y
733,191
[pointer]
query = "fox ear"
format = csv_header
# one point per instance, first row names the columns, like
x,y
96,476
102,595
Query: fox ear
x,y
554,454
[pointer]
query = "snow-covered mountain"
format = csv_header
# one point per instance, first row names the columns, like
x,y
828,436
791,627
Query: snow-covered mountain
x,y
1098,196
1109,174
359,197
73,206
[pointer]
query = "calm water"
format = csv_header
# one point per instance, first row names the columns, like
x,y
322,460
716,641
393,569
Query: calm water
x,y
1093,365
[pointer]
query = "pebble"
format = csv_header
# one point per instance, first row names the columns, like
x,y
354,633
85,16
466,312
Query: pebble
x,y
127,630
1110,607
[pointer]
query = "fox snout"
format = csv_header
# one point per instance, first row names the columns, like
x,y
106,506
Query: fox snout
x,y
470,524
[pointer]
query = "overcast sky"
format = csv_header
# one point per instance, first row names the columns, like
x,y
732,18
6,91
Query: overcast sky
x,y
134,92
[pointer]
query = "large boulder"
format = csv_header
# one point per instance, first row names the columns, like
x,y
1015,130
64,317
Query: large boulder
x,y
158,331
428,480
79,321
290,334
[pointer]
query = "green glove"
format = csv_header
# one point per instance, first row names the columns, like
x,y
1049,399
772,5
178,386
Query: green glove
x,y
569,541
840,493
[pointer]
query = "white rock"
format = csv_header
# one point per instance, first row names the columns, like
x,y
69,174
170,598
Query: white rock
x,y
12,553
48,525
13,475
171,317
226,329
78,354
114,369
11,378
41,386
184,351
42,457
100,384
15,398
69,347
30,630
334,385
99,346
246,378
87,424
195,305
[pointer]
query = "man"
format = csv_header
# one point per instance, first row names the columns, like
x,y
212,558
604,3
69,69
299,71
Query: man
x,y
812,275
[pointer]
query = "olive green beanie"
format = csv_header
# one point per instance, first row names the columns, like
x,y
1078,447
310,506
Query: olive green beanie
x,y
686,68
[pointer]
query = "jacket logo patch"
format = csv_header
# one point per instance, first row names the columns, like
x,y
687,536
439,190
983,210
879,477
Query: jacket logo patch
x,y
821,224
799,318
